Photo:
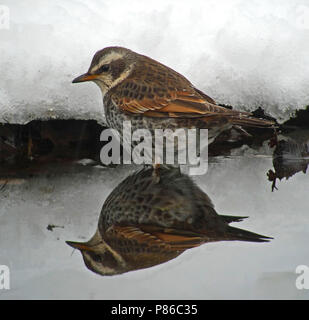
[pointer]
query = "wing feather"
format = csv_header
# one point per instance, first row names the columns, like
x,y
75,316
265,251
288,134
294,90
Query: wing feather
x,y
167,238
155,90
155,87
175,101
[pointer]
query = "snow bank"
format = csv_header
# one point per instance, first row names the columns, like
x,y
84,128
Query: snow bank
x,y
246,54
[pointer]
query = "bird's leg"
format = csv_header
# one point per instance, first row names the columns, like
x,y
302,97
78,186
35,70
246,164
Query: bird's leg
x,y
156,167
156,173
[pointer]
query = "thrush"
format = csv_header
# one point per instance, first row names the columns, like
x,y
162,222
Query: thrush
x,y
149,219
152,96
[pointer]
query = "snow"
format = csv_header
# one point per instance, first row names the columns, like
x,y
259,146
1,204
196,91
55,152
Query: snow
x,y
246,54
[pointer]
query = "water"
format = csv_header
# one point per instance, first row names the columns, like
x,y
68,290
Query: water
x,y
232,50
71,197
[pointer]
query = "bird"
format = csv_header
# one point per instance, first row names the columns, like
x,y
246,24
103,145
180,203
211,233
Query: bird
x,y
291,155
151,218
151,95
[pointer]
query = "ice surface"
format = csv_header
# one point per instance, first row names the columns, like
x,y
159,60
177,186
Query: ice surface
x,y
43,267
243,53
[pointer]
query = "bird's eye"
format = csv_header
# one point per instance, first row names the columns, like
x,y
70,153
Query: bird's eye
x,y
97,257
103,68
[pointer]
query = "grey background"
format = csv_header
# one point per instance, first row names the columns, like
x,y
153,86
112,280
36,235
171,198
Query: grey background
x,y
43,266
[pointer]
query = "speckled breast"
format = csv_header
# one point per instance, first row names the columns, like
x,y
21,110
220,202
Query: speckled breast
x,y
116,117
143,199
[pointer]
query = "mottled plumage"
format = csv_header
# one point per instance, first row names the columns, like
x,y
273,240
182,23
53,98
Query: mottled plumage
x,y
150,94
152,217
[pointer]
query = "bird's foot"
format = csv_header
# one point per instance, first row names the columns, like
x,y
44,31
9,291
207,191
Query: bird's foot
x,y
156,173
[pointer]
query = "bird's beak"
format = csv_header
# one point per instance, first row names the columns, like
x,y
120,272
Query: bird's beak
x,y
79,245
85,77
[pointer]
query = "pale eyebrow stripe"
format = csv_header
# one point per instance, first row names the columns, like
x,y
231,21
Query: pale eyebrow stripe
x,y
107,59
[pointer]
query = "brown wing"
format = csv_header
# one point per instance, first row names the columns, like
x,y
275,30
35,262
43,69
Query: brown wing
x,y
155,90
167,239
154,102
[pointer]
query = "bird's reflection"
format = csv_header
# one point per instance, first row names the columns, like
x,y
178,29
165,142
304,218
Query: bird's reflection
x,y
291,155
151,217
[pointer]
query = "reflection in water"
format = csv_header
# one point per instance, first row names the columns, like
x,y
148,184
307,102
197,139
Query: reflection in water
x,y
151,217
290,156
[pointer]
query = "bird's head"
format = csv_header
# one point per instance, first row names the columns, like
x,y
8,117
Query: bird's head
x,y
99,257
109,67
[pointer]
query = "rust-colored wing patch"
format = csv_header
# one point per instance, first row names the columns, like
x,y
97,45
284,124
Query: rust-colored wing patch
x,y
173,100
166,238
153,86
155,90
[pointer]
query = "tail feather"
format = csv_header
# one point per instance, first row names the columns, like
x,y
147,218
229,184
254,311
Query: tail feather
x,y
251,122
244,235
230,219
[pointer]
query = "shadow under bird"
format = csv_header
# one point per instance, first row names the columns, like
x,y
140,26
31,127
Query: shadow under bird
x,y
153,216
154,96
